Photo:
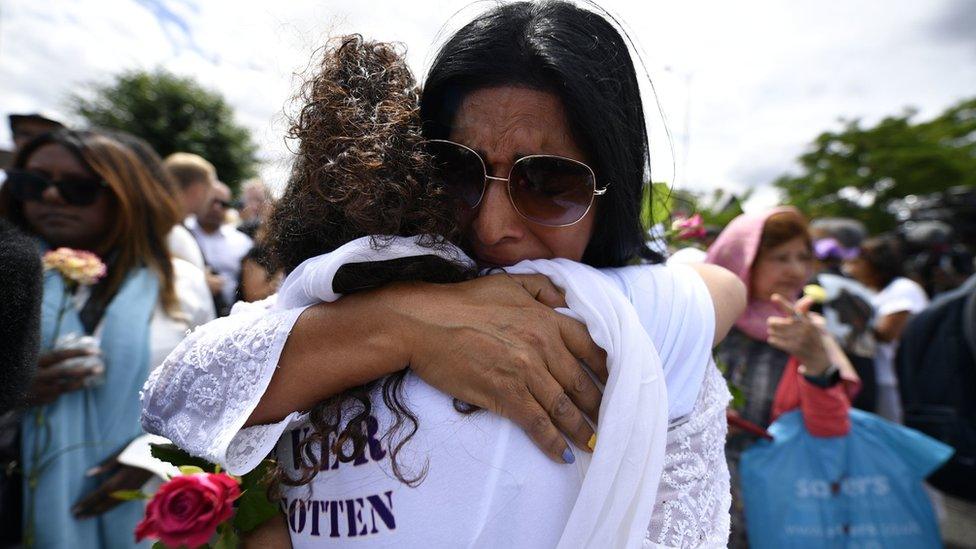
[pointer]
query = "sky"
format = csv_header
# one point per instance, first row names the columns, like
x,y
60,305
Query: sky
x,y
734,91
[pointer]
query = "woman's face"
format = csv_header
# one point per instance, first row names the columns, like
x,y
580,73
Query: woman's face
x,y
56,221
860,270
782,270
504,124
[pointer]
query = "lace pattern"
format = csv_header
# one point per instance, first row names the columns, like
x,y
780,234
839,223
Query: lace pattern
x,y
694,498
200,396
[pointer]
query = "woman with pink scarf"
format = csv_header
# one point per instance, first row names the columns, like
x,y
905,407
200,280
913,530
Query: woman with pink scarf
x,y
778,354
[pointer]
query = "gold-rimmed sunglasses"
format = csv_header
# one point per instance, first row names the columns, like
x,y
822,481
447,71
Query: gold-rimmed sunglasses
x,y
549,190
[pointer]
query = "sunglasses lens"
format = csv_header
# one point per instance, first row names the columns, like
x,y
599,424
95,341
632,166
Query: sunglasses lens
x,y
26,186
79,192
459,170
550,190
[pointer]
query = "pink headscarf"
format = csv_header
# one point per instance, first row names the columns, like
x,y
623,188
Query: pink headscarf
x,y
736,249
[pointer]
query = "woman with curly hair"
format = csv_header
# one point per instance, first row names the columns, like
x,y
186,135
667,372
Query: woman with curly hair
x,y
574,149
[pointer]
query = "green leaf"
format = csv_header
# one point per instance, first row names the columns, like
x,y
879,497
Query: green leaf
x,y
129,495
657,204
253,507
159,545
170,453
227,539
190,469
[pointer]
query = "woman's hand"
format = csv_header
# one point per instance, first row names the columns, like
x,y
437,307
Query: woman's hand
x,y
798,334
497,343
118,477
51,381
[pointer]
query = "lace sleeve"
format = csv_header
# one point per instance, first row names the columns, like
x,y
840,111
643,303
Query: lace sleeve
x,y
204,391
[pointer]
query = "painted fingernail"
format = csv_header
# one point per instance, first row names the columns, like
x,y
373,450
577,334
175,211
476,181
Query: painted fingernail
x,y
591,444
568,456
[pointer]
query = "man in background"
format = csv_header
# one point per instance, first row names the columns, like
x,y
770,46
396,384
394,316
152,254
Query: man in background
x,y
222,245
256,202
195,178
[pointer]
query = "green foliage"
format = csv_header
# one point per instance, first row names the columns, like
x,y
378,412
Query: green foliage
x,y
129,495
172,454
173,114
657,209
254,508
858,171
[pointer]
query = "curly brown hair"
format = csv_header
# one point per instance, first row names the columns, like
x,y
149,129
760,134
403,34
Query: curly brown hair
x,y
360,171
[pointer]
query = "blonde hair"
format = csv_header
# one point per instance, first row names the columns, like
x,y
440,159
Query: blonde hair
x,y
189,169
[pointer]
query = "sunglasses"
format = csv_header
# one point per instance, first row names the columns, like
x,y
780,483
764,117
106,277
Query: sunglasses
x,y
548,190
30,186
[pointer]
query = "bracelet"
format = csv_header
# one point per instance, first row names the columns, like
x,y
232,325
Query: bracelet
x,y
826,380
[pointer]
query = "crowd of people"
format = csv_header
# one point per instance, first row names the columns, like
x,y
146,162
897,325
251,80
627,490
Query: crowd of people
x,y
392,328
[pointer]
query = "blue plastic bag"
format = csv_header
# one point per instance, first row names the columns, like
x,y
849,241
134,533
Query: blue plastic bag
x,y
863,490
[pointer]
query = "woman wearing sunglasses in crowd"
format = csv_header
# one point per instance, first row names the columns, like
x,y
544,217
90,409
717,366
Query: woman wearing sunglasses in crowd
x,y
547,96
89,191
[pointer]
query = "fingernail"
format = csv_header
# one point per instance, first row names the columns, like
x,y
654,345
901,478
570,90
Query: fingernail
x,y
93,471
568,456
591,444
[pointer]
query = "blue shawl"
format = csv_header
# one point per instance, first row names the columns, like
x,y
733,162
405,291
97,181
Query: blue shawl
x,y
89,425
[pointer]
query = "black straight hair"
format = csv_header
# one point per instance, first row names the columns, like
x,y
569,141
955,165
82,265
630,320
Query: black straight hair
x,y
580,57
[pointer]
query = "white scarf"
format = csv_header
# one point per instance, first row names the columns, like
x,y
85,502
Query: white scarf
x,y
614,505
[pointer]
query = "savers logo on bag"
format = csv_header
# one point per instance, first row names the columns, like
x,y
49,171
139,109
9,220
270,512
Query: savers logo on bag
x,y
863,490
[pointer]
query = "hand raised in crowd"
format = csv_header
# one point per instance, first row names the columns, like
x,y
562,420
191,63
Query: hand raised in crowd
x,y
799,333
51,381
497,343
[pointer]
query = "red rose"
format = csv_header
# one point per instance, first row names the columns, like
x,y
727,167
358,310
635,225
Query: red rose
x,y
187,509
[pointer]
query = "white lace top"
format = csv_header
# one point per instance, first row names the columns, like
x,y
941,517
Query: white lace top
x,y
205,390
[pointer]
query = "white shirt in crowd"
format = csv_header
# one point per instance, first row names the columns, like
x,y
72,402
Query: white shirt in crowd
x,y
223,250
900,295
183,245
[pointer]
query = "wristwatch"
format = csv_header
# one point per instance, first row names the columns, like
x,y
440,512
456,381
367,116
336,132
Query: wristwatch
x,y
826,380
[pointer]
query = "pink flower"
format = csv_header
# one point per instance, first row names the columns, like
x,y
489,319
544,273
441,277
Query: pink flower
x,y
689,227
76,266
187,509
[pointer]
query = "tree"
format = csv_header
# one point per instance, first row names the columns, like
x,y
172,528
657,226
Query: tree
x,y
173,114
860,171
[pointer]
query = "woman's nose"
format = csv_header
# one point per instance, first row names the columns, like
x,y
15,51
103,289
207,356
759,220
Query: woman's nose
x,y
51,195
496,220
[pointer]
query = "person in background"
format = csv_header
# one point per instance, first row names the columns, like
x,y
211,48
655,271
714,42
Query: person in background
x,y
24,127
258,280
194,177
20,307
89,191
879,267
776,342
847,310
256,202
222,245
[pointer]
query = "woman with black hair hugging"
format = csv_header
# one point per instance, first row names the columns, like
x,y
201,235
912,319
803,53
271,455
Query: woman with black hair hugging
x,y
525,159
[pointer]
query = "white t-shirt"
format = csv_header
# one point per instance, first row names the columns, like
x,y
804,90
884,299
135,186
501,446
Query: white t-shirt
x,y
223,249
489,483
196,307
182,245
901,294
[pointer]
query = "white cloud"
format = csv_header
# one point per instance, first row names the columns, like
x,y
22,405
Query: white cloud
x,y
761,78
